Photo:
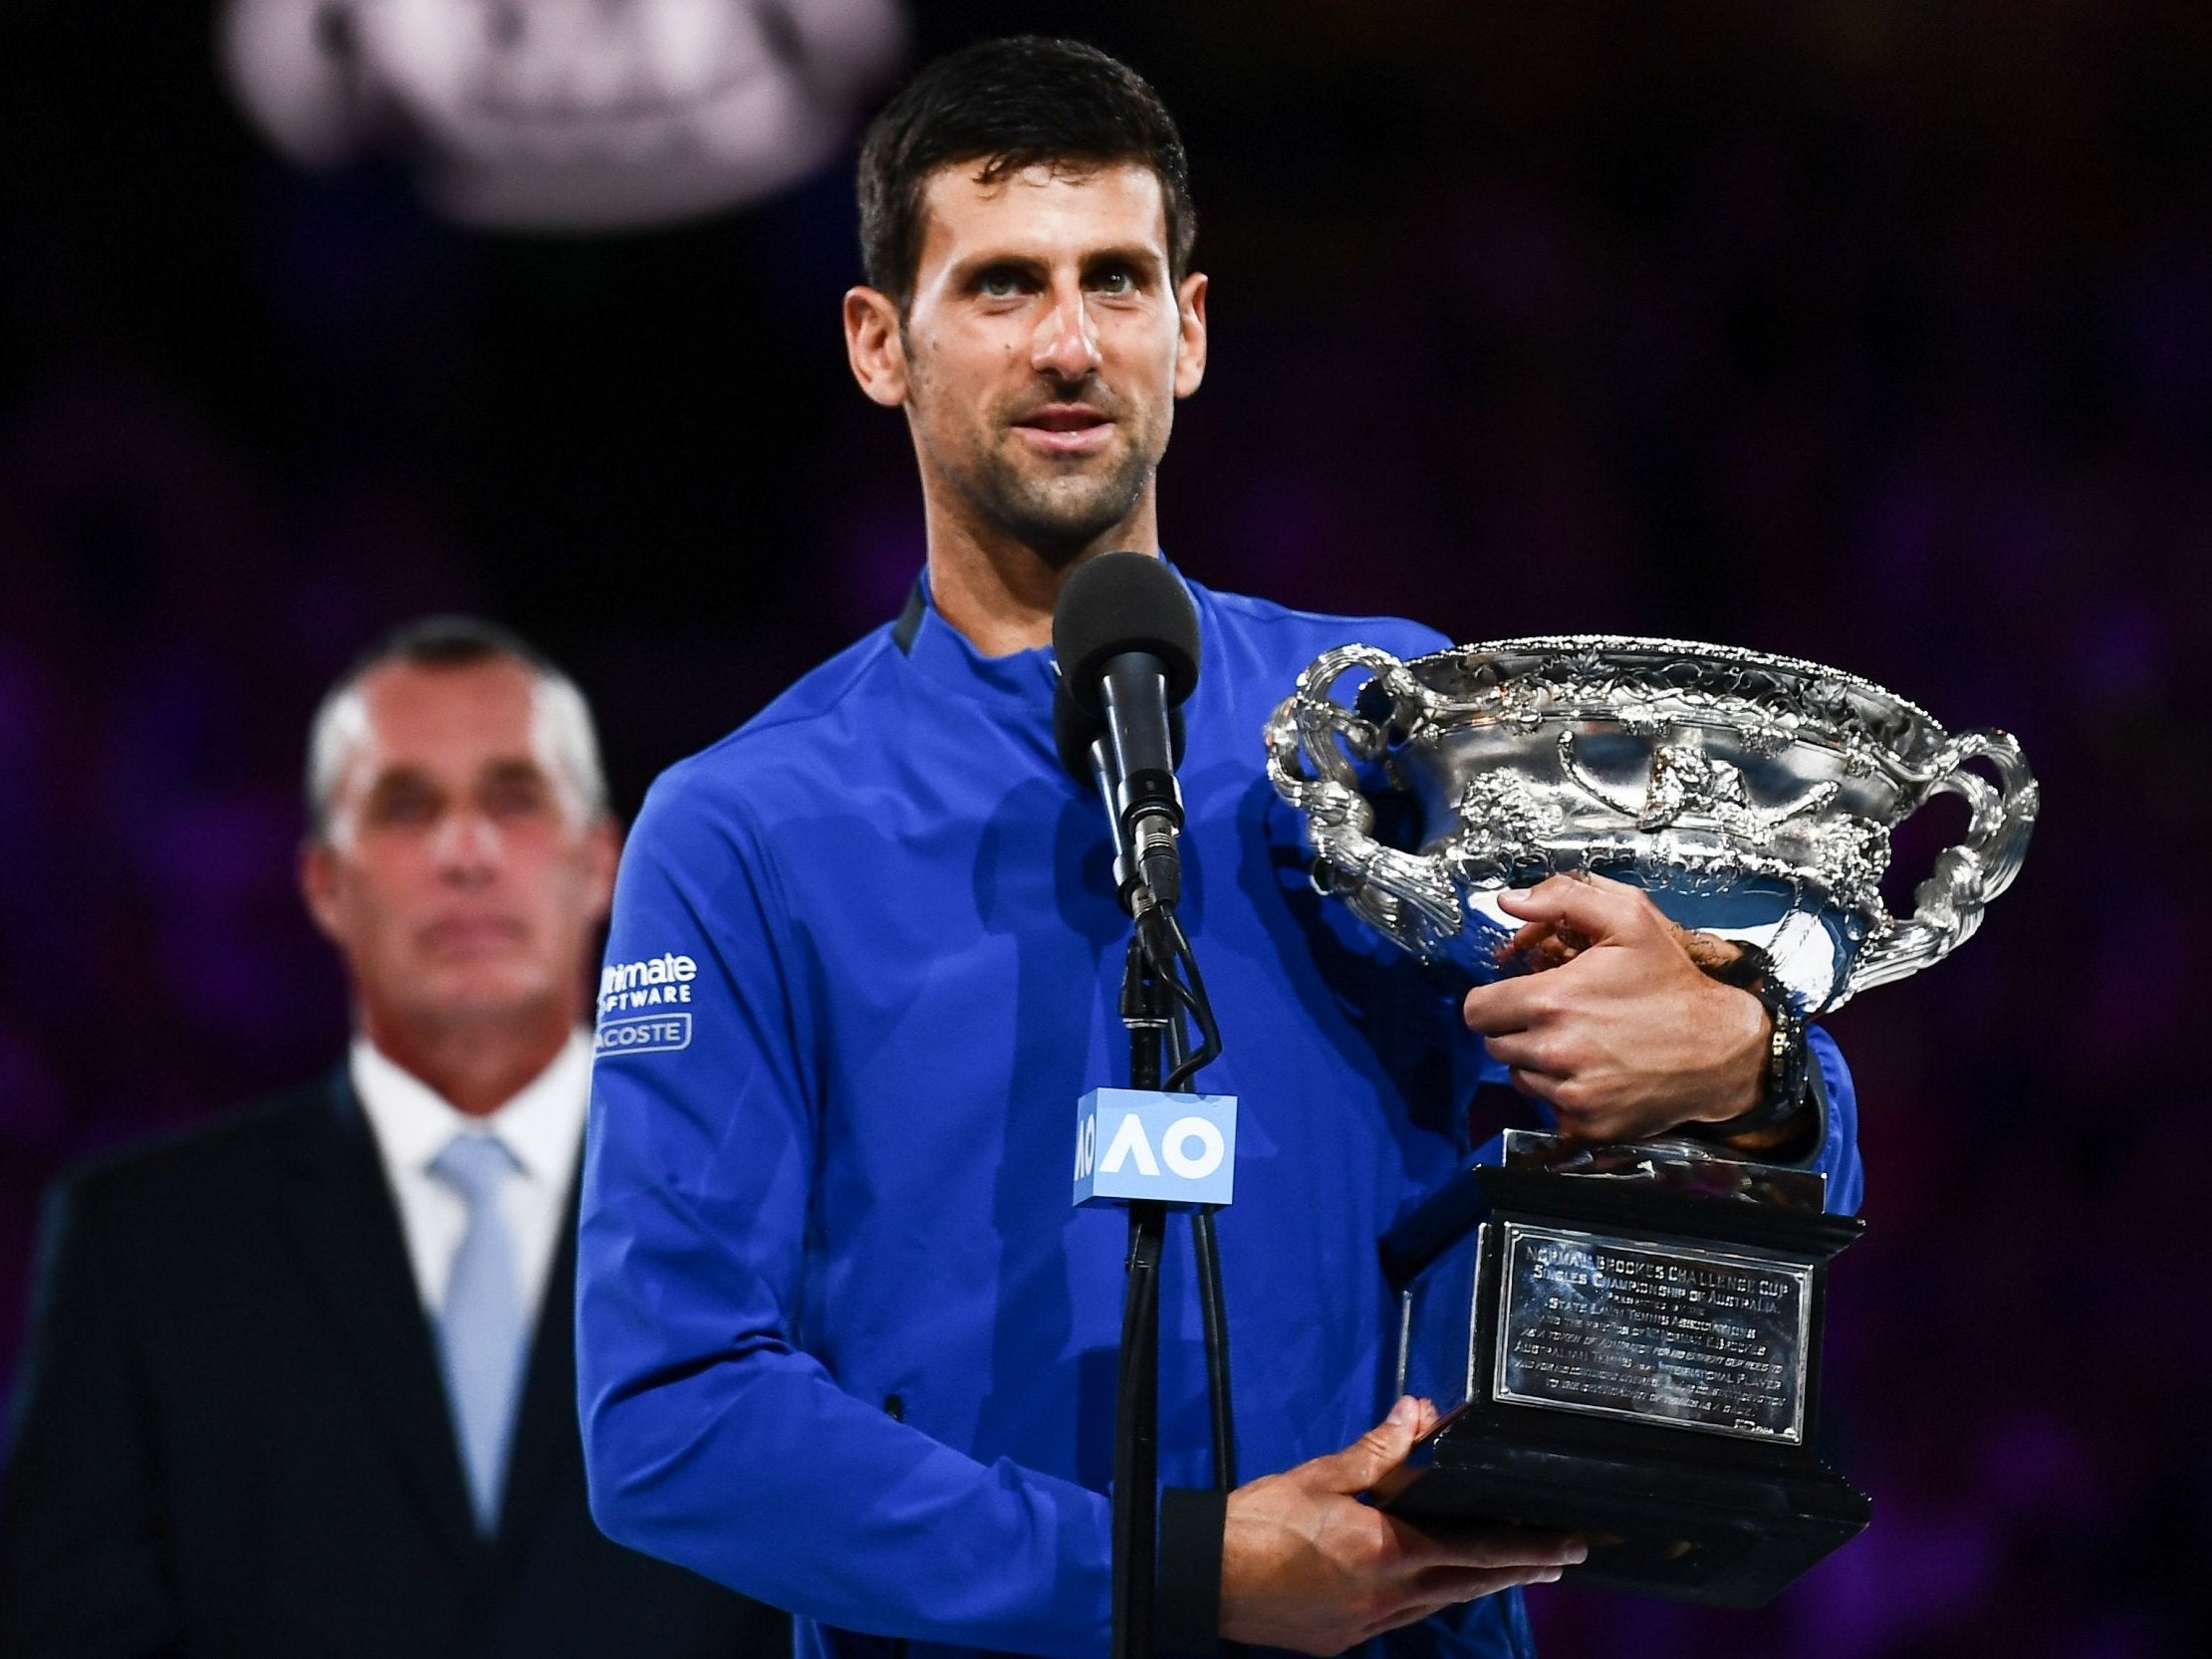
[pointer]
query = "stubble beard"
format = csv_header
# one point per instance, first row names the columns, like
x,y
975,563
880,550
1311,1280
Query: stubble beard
x,y
1057,517
1057,512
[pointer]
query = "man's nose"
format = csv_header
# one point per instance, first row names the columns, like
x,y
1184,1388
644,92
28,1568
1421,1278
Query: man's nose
x,y
466,847
1064,345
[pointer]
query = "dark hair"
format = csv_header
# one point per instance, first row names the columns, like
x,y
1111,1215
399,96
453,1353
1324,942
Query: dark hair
x,y
1011,104
454,642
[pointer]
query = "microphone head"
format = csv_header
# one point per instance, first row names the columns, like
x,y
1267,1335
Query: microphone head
x,y
1116,604
1073,731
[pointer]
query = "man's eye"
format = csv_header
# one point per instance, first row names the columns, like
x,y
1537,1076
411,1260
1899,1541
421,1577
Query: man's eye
x,y
999,285
403,807
516,797
1118,280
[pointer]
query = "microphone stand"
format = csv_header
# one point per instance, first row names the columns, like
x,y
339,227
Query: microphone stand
x,y
1149,1014
1151,1005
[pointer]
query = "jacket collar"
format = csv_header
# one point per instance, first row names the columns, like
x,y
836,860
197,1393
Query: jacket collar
x,y
333,1200
948,658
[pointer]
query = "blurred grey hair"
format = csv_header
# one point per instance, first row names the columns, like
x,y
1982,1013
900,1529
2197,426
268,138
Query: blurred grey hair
x,y
561,719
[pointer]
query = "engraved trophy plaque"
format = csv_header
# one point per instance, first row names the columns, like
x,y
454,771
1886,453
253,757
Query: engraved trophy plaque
x,y
1625,1341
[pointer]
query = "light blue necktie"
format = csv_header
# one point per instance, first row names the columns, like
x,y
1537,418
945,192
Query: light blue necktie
x,y
482,1332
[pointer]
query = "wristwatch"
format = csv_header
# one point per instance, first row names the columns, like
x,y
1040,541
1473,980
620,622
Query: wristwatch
x,y
1789,1056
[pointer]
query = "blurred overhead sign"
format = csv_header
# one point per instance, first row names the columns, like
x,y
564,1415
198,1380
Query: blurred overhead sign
x,y
564,114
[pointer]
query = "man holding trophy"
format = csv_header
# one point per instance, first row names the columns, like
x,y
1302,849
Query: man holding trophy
x,y
841,1342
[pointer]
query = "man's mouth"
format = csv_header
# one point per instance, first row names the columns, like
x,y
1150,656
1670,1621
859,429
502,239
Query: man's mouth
x,y
473,935
1066,428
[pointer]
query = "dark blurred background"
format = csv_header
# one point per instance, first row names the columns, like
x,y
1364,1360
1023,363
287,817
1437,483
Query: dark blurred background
x,y
1872,332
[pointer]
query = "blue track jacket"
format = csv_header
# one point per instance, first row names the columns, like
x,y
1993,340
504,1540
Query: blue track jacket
x,y
843,1344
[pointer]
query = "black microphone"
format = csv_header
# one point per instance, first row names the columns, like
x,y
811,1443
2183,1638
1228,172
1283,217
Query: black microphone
x,y
1088,753
1127,638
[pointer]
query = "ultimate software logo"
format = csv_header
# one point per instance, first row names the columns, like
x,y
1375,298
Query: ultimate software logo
x,y
650,984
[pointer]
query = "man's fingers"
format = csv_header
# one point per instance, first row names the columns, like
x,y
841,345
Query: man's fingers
x,y
1593,906
1496,1550
1526,1051
1426,1416
1528,935
1506,1005
1532,1066
1428,1550
1537,946
1534,1085
1376,1453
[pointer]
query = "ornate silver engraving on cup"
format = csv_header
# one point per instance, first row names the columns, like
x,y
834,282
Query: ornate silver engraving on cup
x,y
1752,795
1681,1334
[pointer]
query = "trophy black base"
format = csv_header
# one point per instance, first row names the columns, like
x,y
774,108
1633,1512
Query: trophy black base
x,y
1656,1526
1626,1347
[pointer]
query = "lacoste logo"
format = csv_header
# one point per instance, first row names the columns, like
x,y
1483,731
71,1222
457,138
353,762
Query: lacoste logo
x,y
644,1034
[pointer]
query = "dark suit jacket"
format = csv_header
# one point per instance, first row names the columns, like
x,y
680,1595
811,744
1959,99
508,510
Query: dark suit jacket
x,y
233,1437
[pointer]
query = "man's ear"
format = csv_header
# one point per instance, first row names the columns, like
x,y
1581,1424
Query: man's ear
x,y
319,885
1190,330
874,347
602,852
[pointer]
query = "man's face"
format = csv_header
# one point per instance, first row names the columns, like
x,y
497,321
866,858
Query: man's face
x,y
1045,346
456,876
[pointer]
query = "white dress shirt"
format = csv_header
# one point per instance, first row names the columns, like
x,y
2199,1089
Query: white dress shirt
x,y
543,1127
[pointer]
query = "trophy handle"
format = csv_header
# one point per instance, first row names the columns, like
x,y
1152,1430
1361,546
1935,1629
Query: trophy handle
x,y
1402,895
1948,905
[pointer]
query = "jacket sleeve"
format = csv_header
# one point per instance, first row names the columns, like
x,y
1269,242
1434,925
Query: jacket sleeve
x,y
82,1555
713,1438
1836,1155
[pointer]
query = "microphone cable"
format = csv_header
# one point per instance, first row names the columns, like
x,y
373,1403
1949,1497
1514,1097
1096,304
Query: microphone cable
x,y
1175,966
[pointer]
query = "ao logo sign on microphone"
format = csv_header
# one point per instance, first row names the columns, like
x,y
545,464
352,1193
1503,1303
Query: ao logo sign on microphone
x,y
1136,1143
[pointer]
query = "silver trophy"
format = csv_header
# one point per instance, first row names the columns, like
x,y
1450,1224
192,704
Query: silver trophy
x,y
1752,795
1625,1340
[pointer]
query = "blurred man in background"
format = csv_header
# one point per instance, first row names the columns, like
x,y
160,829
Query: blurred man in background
x,y
303,1385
